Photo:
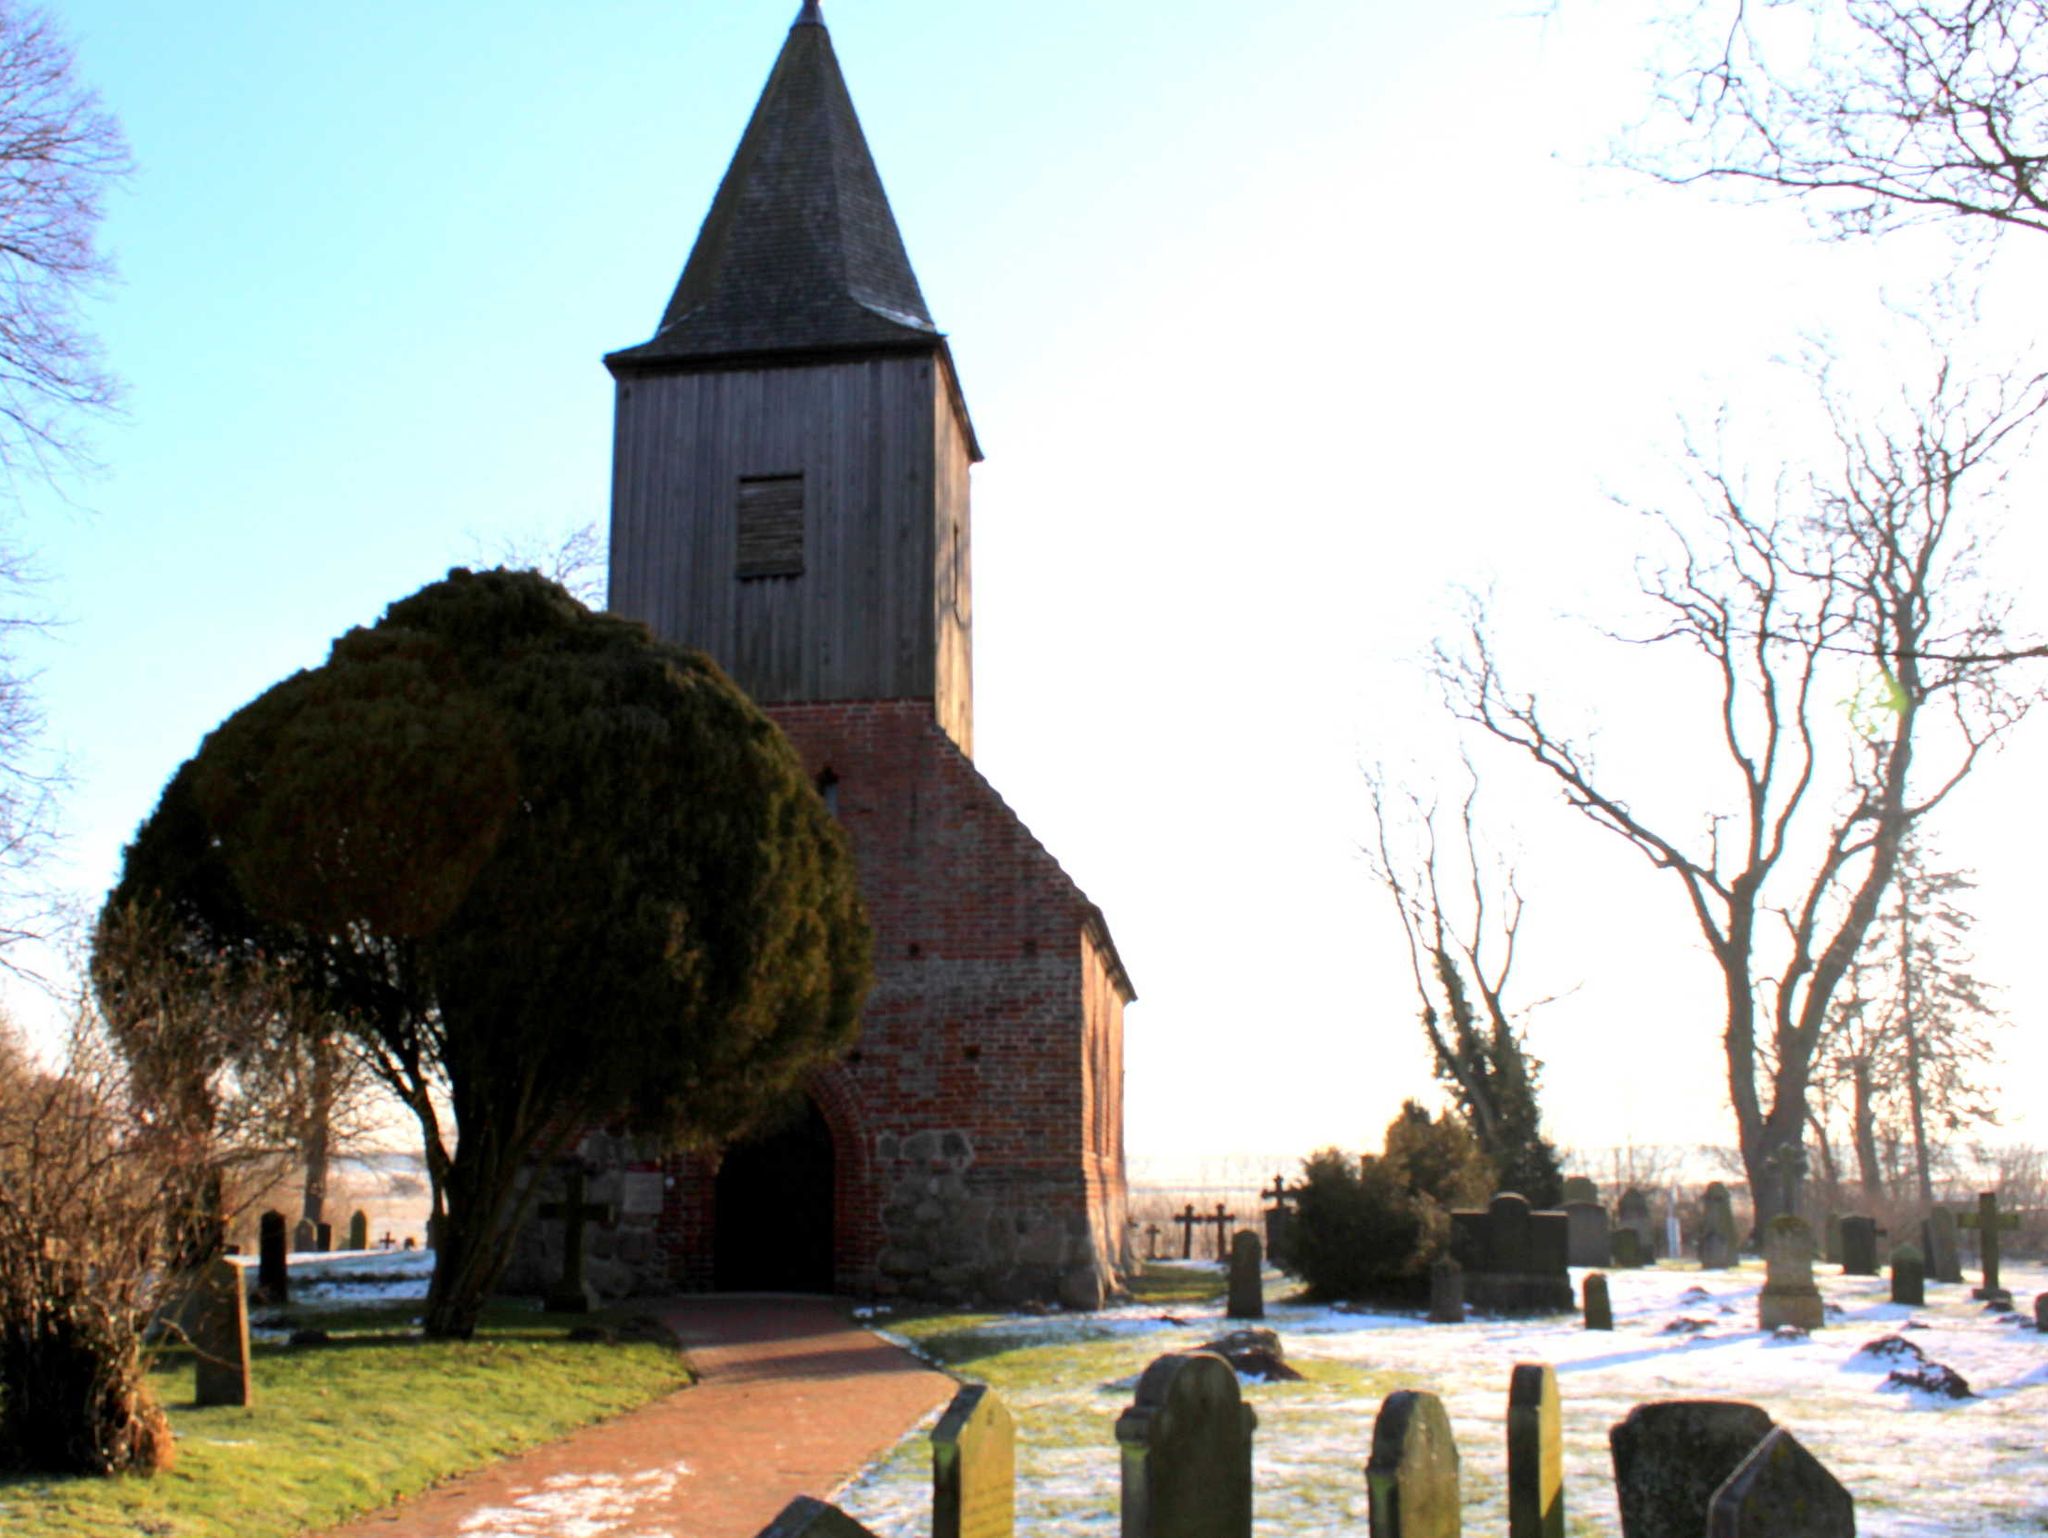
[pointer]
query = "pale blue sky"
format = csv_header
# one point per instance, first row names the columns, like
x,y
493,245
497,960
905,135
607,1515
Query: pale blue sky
x,y
1274,318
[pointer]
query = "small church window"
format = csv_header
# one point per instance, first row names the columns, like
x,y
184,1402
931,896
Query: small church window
x,y
771,526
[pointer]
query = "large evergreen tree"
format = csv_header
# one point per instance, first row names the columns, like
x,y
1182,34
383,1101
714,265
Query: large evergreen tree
x,y
550,873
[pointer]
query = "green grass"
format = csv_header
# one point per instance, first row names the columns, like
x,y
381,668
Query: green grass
x,y
353,1425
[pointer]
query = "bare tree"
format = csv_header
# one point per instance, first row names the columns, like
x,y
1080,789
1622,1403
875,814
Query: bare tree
x,y
1877,112
1461,914
575,560
1860,579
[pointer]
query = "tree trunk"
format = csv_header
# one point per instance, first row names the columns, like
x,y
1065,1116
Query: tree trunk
x,y
1868,1169
1915,1090
315,1144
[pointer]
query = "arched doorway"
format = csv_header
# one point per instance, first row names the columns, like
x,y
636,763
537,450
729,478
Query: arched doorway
x,y
774,1209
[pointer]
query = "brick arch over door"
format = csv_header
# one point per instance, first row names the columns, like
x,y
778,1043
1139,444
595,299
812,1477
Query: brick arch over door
x,y
856,1206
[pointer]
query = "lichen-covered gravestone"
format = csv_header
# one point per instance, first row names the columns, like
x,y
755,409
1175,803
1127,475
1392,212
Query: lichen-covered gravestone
x,y
1859,1245
1535,1454
1247,1289
1446,1291
1412,1481
1789,1296
220,1336
1187,1452
1717,1228
1909,1276
974,1468
1781,1489
1670,1457
359,1230
273,1280
1599,1310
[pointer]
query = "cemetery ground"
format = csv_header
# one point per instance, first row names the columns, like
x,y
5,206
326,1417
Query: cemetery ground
x,y
374,1413
1917,1464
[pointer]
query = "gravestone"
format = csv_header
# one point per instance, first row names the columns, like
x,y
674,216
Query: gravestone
x,y
2041,1313
359,1230
1781,1488
572,1294
1577,1188
1670,1456
1412,1481
323,1237
1909,1276
808,1517
1832,1252
1633,1212
1187,1452
273,1284
1627,1247
1446,1291
1279,1221
1586,1242
1944,1254
1247,1289
974,1467
1535,1453
1717,1228
1859,1245
1789,1296
219,1313
1599,1311
1514,1259
1988,1221
1673,1241
305,1237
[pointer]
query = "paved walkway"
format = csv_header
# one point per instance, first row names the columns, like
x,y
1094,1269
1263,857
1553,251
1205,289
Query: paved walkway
x,y
791,1400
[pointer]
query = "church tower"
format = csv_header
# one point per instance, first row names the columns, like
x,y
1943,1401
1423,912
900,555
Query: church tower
x,y
790,495
790,467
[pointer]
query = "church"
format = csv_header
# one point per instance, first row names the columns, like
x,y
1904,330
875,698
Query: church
x,y
790,494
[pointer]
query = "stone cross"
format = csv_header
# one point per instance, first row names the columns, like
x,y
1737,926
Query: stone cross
x,y
1187,1452
1987,1220
1279,1221
1781,1488
1599,1310
572,1294
1535,1453
1909,1276
1859,1245
1789,1296
1151,1241
359,1230
1670,1457
1412,1481
220,1336
1187,1221
974,1468
1247,1287
1222,1218
273,1283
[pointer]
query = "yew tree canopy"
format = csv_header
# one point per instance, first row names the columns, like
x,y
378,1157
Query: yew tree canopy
x,y
531,851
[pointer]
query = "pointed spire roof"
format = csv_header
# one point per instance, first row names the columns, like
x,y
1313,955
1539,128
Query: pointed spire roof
x,y
800,252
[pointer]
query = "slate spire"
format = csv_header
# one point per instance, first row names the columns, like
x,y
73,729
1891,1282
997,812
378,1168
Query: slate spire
x,y
800,252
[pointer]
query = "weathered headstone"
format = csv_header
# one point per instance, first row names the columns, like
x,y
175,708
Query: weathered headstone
x,y
809,1517
1633,1212
1187,1452
1831,1250
1514,1259
273,1282
572,1294
1987,1220
1781,1489
1627,1247
219,1315
2041,1313
1587,1238
1599,1310
359,1230
1247,1287
1577,1188
305,1237
1909,1276
974,1467
1446,1291
1944,1254
1670,1456
1789,1296
1859,1245
1717,1228
323,1237
1279,1221
1535,1453
1412,1481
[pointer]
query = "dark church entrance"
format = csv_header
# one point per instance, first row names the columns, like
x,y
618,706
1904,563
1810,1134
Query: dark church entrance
x,y
774,1209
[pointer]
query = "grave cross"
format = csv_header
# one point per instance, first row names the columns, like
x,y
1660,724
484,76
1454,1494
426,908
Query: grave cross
x,y
1278,1195
1187,1221
572,1294
1987,1220
1222,1220
1151,1241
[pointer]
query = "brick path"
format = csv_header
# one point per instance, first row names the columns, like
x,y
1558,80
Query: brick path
x,y
791,1400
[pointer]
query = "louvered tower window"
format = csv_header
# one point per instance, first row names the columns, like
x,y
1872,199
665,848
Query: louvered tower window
x,y
771,526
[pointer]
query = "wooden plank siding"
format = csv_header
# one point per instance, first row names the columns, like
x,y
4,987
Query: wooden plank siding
x,y
880,609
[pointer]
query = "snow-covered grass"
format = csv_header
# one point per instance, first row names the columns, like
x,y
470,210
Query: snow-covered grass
x,y
1917,1464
